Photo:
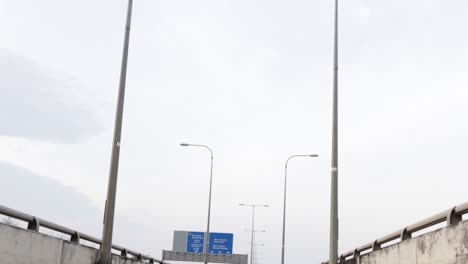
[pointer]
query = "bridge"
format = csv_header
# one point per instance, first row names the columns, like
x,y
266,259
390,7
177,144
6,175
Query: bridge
x,y
29,246
447,245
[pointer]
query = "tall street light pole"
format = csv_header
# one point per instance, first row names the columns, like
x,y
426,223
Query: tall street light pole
x,y
284,201
105,255
255,253
334,165
255,231
207,234
253,226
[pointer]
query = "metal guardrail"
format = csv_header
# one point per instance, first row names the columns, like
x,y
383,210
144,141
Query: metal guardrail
x,y
452,216
200,257
34,223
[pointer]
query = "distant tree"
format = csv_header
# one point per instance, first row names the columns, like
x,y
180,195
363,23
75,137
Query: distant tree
x,y
9,221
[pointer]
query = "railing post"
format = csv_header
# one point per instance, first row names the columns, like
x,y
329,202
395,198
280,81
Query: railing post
x,y
376,246
342,259
124,253
75,237
404,235
356,256
453,218
34,225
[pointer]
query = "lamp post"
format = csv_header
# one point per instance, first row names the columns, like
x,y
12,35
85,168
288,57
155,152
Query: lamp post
x,y
207,235
253,225
284,201
255,253
106,246
334,164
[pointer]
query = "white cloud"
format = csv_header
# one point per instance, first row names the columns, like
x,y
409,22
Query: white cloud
x,y
42,104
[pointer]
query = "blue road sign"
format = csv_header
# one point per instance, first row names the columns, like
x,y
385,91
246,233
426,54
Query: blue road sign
x,y
220,243
195,242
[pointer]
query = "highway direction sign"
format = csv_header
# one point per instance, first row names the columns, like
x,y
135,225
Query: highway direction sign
x,y
220,243
195,242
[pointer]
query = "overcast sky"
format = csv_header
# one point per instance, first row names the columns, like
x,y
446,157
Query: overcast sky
x,y
252,79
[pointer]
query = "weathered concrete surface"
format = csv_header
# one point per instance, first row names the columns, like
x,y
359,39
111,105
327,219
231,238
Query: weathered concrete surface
x,y
20,246
448,245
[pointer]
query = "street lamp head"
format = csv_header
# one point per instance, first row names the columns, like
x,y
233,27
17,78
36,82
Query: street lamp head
x,y
184,144
313,155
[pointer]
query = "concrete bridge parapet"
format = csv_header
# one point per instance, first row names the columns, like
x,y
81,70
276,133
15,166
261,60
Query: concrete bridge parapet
x,y
21,246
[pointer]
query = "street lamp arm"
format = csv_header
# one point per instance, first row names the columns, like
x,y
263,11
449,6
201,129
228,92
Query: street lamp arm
x,y
250,230
198,145
255,205
302,155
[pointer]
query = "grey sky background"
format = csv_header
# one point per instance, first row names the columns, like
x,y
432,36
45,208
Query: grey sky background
x,y
251,79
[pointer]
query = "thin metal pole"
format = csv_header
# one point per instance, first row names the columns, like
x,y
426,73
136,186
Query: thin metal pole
x,y
253,230
284,200
284,212
334,166
207,236
254,254
105,256
252,239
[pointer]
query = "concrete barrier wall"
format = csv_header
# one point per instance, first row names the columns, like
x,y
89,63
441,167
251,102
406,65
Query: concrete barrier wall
x,y
448,245
20,246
